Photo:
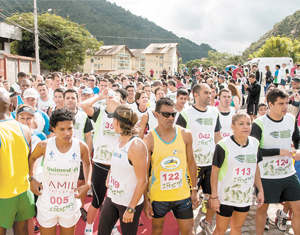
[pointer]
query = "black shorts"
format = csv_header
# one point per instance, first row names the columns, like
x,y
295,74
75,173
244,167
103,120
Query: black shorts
x,y
181,209
281,190
81,175
226,211
204,178
100,172
252,109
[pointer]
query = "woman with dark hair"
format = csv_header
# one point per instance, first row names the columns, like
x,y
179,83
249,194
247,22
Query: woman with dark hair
x,y
141,100
268,76
236,97
127,178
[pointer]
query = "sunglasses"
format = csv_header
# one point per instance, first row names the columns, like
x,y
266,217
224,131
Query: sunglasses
x,y
167,114
91,80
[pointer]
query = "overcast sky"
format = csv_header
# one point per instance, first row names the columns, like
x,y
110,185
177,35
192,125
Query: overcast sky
x,y
226,25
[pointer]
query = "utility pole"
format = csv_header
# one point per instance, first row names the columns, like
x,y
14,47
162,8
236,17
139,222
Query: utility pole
x,y
36,36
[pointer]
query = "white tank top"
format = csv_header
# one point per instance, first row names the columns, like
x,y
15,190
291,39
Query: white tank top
x,y
44,105
105,138
122,181
80,120
152,121
226,123
139,113
61,172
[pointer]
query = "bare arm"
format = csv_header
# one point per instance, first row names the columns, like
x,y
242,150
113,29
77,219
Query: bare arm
x,y
218,137
191,163
89,141
87,170
143,125
39,151
87,105
260,196
215,203
137,153
236,102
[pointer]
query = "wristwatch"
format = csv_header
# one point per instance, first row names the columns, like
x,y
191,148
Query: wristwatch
x,y
130,210
30,178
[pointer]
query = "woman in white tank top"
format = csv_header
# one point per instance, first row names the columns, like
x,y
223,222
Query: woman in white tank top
x,y
127,178
59,200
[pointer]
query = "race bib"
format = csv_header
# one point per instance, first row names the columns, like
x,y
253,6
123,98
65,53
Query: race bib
x,y
205,138
225,134
170,180
61,203
116,187
275,167
108,129
243,175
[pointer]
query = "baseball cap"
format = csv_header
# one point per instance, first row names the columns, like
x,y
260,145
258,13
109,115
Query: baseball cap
x,y
25,109
87,91
30,92
222,77
296,80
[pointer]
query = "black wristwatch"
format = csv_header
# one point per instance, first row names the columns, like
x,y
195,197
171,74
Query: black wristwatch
x,y
31,178
130,210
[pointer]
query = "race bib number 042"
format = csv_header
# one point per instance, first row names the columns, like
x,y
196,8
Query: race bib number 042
x,y
171,180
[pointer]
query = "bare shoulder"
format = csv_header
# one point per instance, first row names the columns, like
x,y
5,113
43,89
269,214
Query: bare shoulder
x,y
42,144
137,146
149,141
83,145
185,132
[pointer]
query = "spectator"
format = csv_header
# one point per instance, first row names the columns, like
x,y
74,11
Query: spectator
x,y
16,86
239,69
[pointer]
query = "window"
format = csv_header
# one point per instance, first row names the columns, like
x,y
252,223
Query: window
x,y
101,64
2,46
113,57
157,56
156,64
160,72
101,57
156,72
160,64
161,57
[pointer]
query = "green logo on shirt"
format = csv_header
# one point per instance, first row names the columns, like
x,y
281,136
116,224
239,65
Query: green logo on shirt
x,y
205,121
246,158
281,134
76,126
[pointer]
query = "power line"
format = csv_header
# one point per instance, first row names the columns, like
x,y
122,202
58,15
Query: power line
x,y
10,6
20,6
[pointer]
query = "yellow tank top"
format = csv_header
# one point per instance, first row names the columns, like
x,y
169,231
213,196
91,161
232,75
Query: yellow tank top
x,y
168,180
14,151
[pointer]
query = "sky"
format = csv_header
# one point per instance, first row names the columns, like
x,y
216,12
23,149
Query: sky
x,y
226,25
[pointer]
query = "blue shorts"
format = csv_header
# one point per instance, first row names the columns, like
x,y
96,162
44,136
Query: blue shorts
x,y
181,209
282,82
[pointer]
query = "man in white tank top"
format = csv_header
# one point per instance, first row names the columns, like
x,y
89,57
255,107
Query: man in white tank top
x,y
59,200
226,112
44,100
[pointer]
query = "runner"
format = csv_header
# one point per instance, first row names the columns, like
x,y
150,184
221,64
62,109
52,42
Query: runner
x,y
59,201
170,148
131,96
127,179
204,123
182,97
16,200
105,141
58,101
17,100
44,101
173,90
141,101
276,131
226,112
234,171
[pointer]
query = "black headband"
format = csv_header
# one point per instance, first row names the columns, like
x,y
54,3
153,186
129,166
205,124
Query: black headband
x,y
118,117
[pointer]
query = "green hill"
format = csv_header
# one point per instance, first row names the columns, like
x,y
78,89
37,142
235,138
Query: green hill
x,y
289,26
104,19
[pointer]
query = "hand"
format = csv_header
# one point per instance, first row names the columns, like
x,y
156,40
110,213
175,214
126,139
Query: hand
x,y
104,94
195,199
246,86
148,211
296,155
260,199
35,186
81,191
214,204
285,152
127,217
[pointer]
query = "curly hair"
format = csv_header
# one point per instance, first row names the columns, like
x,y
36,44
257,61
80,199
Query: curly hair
x,y
61,115
126,111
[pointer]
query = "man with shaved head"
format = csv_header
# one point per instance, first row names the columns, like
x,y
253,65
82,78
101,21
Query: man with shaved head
x,y
204,123
16,199
17,100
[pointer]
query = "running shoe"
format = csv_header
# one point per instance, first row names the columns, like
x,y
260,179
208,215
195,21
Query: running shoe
x,y
115,231
88,231
83,214
267,225
280,221
204,209
206,227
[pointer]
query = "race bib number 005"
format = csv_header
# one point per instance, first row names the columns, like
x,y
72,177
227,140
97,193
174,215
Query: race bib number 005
x,y
171,180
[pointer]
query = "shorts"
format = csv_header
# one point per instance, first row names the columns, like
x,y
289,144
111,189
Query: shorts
x,y
49,219
18,208
252,109
204,178
226,211
99,175
81,174
281,190
282,82
181,209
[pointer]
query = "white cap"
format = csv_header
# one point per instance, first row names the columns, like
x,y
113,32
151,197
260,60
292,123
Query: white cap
x,y
30,92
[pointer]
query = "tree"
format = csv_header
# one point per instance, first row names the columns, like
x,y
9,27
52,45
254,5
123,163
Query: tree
x,y
279,47
67,41
222,59
206,63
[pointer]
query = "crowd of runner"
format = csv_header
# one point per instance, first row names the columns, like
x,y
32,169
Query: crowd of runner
x,y
150,145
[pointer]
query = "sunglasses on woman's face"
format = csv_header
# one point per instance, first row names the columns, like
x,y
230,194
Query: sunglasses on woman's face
x,y
167,114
